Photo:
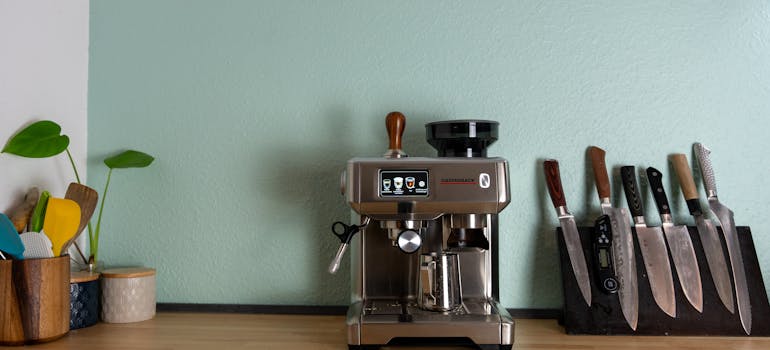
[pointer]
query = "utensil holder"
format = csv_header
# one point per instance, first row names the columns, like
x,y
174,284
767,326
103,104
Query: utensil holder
x,y
11,332
605,316
42,299
128,295
84,299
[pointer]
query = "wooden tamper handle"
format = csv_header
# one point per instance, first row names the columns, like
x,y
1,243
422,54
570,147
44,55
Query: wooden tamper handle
x,y
395,123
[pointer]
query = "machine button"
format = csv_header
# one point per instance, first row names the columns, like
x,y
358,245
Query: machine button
x,y
484,180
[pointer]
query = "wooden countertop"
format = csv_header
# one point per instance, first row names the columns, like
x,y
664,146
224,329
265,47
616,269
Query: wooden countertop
x,y
245,331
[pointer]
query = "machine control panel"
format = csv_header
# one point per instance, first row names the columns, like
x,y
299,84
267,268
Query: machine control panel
x,y
403,183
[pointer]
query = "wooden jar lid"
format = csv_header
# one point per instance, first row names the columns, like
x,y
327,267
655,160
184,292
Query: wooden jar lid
x,y
128,272
83,276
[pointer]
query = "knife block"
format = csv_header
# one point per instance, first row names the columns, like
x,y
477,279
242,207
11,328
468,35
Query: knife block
x,y
605,317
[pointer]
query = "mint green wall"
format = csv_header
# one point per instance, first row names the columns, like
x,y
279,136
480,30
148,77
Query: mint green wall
x,y
253,107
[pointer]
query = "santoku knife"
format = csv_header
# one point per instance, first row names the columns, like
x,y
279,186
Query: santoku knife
x,y
569,228
652,245
725,217
679,243
623,256
712,245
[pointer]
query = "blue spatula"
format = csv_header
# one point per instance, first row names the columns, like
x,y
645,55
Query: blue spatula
x,y
9,238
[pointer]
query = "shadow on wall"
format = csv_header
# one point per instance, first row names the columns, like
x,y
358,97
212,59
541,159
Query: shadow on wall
x,y
305,186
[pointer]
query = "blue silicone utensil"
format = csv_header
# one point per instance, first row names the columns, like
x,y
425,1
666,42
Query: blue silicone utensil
x,y
9,238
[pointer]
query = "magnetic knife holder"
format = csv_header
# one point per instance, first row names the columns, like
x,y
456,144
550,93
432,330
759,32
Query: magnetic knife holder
x,y
605,317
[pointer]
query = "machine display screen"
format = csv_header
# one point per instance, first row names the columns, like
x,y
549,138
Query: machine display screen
x,y
604,258
397,183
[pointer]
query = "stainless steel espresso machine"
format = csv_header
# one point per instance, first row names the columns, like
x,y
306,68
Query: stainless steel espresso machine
x,y
424,266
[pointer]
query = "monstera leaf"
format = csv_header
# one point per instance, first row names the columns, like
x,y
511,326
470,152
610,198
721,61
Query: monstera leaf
x,y
129,159
39,140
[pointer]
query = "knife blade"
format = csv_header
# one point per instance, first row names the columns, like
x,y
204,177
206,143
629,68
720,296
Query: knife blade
x,y
569,228
652,245
623,256
712,245
726,219
679,243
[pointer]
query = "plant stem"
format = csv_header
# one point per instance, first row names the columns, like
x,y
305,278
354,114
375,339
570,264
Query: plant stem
x,y
77,177
72,161
95,242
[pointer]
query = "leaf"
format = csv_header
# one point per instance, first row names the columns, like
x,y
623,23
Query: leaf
x,y
39,140
129,159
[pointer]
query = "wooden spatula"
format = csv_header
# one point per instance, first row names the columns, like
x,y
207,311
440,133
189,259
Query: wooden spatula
x,y
62,218
86,197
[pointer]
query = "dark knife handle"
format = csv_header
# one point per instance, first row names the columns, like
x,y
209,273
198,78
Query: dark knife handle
x,y
600,171
655,178
553,180
689,190
631,188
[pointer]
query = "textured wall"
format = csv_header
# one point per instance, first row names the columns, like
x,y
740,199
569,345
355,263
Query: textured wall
x,y
252,109
43,75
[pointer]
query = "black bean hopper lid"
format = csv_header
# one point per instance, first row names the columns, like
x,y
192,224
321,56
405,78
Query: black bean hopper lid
x,y
461,138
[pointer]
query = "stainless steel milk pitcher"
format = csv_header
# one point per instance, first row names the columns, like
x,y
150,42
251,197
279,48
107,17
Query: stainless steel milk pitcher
x,y
440,288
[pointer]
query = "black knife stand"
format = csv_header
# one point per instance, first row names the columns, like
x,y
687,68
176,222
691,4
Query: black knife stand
x,y
605,317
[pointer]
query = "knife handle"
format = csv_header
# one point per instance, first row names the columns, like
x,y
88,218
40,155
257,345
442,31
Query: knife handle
x,y
689,191
553,180
631,188
702,154
655,178
600,171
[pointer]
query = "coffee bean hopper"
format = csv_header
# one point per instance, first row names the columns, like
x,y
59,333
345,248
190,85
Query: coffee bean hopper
x,y
424,268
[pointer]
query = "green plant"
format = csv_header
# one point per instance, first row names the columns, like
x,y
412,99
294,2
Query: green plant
x,y
44,139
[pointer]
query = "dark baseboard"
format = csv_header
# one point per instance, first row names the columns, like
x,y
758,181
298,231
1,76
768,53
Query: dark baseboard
x,y
316,310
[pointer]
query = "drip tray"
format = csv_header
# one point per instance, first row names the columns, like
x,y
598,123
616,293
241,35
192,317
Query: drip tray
x,y
396,311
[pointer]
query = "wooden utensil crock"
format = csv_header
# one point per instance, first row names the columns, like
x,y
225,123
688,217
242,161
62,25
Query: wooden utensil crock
x,y
43,290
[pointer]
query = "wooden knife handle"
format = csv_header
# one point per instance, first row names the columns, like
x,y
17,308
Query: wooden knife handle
x,y
682,169
600,171
553,180
395,123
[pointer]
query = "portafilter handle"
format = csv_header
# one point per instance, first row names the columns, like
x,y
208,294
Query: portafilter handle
x,y
346,234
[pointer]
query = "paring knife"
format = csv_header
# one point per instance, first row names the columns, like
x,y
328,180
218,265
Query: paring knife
x,y
623,256
679,243
652,245
712,245
725,217
569,228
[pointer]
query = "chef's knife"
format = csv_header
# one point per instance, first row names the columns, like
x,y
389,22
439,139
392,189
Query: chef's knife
x,y
623,257
652,245
569,228
712,245
725,217
679,243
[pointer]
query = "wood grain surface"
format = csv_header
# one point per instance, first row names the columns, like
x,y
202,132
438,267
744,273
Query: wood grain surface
x,y
43,290
245,331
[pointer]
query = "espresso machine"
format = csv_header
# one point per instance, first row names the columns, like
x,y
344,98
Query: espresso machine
x,y
424,267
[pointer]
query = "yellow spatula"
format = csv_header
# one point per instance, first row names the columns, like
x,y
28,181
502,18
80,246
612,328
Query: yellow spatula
x,y
62,218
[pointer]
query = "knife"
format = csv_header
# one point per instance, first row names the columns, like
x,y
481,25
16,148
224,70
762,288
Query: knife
x,y
652,245
679,243
569,228
725,217
623,257
712,245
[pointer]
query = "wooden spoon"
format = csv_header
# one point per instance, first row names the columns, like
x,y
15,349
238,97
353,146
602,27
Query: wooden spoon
x,y
20,214
62,217
86,197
